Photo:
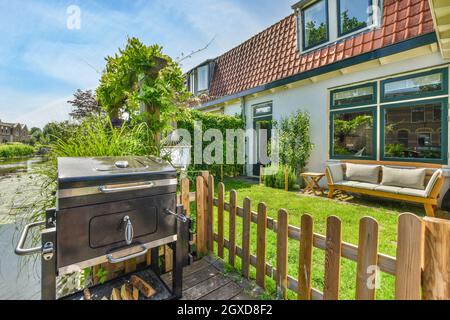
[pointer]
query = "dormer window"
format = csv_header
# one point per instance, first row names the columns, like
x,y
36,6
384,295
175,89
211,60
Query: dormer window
x,y
315,24
353,15
199,79
322,22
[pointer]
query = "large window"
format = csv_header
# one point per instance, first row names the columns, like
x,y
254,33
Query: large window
x,y
409,122
315,24
407,138
353,15
353,134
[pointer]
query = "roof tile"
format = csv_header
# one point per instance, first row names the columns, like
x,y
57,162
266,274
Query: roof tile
x,y
272,54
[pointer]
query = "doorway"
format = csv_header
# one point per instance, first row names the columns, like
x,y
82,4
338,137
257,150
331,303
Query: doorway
x,y
262,120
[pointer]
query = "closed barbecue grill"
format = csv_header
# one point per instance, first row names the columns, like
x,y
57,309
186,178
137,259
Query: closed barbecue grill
x,y
111,209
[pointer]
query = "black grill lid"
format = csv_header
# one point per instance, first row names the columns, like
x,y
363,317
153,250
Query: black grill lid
x,y
82,172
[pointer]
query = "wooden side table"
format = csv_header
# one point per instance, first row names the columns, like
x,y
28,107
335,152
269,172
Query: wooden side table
x,y
312,180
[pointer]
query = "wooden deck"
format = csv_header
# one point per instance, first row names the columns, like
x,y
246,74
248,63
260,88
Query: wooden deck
x,y
205,280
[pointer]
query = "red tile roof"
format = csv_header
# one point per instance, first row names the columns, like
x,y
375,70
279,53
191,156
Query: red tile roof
x,y
272,54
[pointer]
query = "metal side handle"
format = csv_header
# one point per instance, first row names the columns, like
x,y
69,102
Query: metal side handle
x,y
113,260
20,249
105,189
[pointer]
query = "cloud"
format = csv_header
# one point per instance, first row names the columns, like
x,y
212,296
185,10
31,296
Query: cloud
x,y
34,110
36,41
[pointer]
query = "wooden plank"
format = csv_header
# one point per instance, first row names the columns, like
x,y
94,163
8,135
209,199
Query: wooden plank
x,y
436,273
220,210
232,226
366,274
205,287
246,231
210,215
226,292
305,258
409,257
168,258
332,259
201,234
130,266
185,196
261,246
198,277
282,253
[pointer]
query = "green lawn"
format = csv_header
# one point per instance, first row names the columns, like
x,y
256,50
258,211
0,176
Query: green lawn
x,y
386,213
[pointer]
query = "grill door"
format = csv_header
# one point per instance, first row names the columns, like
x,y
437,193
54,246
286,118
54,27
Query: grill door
x,y
89,232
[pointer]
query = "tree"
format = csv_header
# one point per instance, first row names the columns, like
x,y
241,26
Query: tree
x,y
295,140
350,24
145,84
84,105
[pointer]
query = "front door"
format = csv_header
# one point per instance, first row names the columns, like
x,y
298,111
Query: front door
x,y
262,120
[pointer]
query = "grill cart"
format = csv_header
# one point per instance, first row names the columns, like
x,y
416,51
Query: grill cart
x,y
110,210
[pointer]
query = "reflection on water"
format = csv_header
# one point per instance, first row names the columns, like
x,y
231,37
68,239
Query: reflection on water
x,y
19,278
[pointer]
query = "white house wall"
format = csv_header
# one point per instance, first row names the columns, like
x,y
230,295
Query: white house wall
x,y
314,98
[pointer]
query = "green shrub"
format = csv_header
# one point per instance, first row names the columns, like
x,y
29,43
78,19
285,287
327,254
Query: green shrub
x,y
186,119
278,180
12,150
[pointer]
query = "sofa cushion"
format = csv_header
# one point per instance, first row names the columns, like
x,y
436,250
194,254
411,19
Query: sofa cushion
x,y
336,173
362,173
352,184
394,190
413,192
434,178
405,178
367,186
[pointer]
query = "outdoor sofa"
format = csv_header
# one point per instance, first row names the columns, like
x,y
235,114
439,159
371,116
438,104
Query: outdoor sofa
x,y
412,184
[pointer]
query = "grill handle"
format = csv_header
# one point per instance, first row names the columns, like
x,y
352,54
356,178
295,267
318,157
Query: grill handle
x,y
105,189
113,260
20,250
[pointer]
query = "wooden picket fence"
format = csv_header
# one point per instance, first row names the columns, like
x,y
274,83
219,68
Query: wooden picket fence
x,y
420,267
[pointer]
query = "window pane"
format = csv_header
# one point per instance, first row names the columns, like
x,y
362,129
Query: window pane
x,y
354,96
192,83
413,86
413,132
354,15
353,134
263,110
202,76
315,24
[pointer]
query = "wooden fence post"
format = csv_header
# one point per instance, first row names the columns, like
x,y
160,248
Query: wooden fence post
x,y
232,225
220,210
436,273
210,215
246,237
185,196
409,262
200,199
305,258
333,259
261,246
367,259
282,253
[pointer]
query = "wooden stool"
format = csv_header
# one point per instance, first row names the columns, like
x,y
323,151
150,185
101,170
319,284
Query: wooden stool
x,y
312,180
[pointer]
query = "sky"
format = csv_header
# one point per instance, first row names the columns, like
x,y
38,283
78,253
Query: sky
x,y
51,48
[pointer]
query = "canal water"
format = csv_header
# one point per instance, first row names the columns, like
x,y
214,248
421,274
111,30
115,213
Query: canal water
x,y
19,188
